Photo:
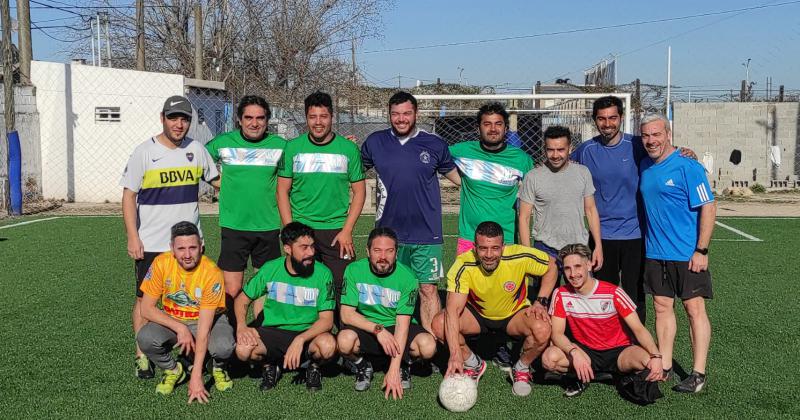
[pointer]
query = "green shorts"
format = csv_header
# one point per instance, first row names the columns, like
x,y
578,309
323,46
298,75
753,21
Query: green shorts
x,y
424,260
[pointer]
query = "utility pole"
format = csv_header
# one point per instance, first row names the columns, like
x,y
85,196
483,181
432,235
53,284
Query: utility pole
x,y
198,42
91,39
24,41
743,91
99,48
780,93
747,71
140,35
398,81
8,70
108,39
669,82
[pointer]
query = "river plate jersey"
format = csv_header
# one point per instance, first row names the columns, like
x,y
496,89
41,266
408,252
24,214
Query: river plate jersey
x,y
380,298
321,177
501,293
489,186
184,293
292,302
249,178
167,183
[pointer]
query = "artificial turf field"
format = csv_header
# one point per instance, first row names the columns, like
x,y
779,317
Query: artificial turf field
x,y
67,346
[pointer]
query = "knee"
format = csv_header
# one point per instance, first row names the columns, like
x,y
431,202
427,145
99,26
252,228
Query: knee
x,y
550,359
221,348
147,341
244,353
662,305
540,331
437,326
695,308
428,291
426,345
345,341
326,346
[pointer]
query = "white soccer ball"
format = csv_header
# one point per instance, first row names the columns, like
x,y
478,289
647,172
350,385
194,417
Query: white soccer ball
x,y
458,393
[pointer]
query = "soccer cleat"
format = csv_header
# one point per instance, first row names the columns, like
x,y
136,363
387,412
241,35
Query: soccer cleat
x,y
476,373
574,388
502,359
521,379
270,377
405,375
692,384
144,369
222,381
364,374
313,377
171,379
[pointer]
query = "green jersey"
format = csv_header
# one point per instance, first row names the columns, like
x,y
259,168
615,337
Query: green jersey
x,y
380,298
321,178
292,302
489,184
249,178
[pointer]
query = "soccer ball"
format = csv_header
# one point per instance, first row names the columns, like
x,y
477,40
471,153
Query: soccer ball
x,y
458,393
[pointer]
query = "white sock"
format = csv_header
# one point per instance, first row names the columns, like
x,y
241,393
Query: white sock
x,y
521,366
472,361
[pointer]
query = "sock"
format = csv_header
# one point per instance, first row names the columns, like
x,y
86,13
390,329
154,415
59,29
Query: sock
x,y
521,366
472,361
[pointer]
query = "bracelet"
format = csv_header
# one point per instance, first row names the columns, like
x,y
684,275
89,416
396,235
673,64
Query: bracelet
x,y
655,356
571,350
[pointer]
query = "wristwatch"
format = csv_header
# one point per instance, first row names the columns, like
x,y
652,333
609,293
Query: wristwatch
x,y
377,329
545,301
701,251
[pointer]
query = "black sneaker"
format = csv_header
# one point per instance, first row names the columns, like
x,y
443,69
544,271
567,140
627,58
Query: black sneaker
x,y
144,368
502,359
405,375
574,388
693,383
270,377
364,374
313,377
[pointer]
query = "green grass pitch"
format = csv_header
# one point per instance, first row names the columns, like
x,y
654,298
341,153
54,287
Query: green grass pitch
x,y
67,345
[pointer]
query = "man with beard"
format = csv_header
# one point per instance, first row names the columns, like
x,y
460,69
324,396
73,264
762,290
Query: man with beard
x,y
191,291
490,176
377,303
606,334
298,312
562,194
316,173
248,212
408,161
491,283
161,184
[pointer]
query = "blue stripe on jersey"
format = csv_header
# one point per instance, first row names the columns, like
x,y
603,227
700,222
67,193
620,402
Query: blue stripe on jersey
x,y
168,195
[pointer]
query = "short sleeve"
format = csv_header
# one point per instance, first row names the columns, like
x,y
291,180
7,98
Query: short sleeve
x,y
133,175
153,282
408,298
557,305
588,184
355,170
350,290
446,162
366,155
214,291
257,286
623,303
527,191
327,296
212,149
210,171
536,262
528,165
697,185
458,278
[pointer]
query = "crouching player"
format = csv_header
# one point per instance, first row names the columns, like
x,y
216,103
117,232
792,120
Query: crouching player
x,y
192,294
595,312
377,303
490,283
298,312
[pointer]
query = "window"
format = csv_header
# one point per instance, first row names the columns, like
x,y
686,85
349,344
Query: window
x,y
107,114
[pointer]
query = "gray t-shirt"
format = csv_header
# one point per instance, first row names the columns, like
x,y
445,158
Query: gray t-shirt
x,y
167,184
557,198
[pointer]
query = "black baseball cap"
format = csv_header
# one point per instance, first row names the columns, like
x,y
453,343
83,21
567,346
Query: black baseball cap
x,y
177,105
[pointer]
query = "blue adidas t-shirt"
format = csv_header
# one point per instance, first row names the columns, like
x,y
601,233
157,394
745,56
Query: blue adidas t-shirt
x,y
615,173
408,186
673,192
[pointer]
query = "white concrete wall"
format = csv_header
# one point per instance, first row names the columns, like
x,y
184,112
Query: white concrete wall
x,y
82,160
26,122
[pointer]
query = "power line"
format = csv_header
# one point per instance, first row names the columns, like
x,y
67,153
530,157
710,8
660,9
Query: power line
x,y
572,31
48,6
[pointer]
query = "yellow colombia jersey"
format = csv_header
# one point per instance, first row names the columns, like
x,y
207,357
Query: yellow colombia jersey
x,y
183,293
502,293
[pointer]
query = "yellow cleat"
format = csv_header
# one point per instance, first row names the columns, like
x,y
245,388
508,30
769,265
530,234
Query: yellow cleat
x,y
170,380
222,381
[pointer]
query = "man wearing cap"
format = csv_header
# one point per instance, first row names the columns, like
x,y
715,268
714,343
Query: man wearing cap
x,y
161,184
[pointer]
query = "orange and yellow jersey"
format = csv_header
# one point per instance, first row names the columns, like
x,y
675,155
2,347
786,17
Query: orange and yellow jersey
x,y
184,293
501,293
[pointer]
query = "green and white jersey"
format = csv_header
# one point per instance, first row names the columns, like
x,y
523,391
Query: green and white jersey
x,y
489,184
321,178
249,178
292,302
380,298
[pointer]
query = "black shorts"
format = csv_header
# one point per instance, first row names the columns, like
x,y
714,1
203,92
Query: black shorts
x,y
603,360
239,245
496,326
277,342
329,255
140,267
369,345
673,279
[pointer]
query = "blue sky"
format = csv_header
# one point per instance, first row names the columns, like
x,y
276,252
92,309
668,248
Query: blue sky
x,y
707,52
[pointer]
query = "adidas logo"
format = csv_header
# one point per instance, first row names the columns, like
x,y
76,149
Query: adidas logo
x,y
669,183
